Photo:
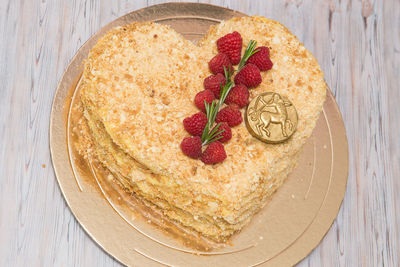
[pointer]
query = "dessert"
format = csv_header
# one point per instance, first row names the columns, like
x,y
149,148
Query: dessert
x,y
137,90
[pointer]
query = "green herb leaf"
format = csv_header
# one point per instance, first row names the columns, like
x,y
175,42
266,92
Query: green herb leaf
x,y
224,93
228,73
211,112
248,53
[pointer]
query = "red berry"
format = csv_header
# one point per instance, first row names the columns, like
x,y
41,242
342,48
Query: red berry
x,y
214,83
231,45
206,95
261,59
218,63
231,115
214,153
249,76
226,134
238,95
191,146
195,124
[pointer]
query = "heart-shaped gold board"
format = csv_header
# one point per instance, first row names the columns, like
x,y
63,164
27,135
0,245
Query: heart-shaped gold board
x,y
284,232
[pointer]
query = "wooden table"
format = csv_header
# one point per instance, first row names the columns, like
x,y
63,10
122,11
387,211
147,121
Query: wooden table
x,y
357,44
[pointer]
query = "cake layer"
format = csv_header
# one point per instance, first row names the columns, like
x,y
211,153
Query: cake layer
x,y
215,228
119,162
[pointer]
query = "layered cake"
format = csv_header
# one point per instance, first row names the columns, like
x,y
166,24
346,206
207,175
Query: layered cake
x,y
141,81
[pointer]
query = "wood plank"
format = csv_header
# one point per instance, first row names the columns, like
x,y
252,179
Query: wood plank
x,y
357,44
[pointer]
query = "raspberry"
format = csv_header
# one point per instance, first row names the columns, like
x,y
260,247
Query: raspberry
x,y
229,114
231,45
238,95
226,134
261,59
191,147
218,63
195,124
206,95
249,76
214,153
214,83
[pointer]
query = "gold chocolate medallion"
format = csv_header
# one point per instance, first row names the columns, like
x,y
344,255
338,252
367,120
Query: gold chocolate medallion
x,y
272,118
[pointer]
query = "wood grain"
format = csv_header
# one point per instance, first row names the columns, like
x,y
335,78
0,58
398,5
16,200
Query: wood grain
x,y
357,44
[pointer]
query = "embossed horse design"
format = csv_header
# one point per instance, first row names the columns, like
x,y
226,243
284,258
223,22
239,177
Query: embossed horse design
x,y
266,117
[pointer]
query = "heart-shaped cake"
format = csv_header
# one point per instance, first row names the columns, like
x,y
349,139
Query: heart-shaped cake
x,y
138,86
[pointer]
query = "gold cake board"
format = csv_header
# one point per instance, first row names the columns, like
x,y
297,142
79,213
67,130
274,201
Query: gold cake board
x,y
290,226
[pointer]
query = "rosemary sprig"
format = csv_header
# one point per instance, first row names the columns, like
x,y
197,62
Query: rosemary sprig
x,y
248,53
210,133
228,73
224,92
207,135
